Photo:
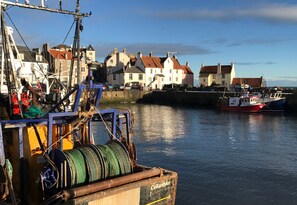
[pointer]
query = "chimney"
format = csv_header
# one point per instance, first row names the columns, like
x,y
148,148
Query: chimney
x,y
187,64
168,54
151,54
219,68
115,51
125,51
139,55
202,65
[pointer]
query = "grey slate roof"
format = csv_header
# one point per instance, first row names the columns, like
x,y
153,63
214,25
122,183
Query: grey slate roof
x,y
132,69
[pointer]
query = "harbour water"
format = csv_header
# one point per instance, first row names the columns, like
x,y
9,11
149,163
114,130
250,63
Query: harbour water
x,y
221,158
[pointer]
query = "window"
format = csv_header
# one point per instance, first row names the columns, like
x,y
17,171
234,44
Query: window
x,y
83,69
223,82
140,77
170,71
223,75
111,61
169,78
151,70
114,76
204,80
130,76
176,71
176,79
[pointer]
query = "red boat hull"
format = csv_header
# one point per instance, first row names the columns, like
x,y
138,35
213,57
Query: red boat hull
x,y
251,108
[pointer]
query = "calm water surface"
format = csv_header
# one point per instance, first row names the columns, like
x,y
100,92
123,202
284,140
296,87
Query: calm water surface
x,y
221,158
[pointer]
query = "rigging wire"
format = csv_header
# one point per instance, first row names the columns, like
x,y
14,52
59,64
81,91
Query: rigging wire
x,y
26,45
24,41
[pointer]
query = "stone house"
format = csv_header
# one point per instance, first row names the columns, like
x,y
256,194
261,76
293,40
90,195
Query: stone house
x,y
216,75
59,59
249,83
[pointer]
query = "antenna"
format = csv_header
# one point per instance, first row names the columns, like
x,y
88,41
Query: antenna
x,y
171,53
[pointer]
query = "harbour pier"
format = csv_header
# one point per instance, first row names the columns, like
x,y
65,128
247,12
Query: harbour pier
x,y
205,99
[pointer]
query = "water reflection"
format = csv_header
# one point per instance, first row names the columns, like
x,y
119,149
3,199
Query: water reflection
x,y
221,158
161,123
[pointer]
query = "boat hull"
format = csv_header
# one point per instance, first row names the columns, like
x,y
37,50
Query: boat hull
x,y
251,108
158,189
276,105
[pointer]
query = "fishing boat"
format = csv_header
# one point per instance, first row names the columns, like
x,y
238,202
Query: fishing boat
x,y
242,103
274,102
49,154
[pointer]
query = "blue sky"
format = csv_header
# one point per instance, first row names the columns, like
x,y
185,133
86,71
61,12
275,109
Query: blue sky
x,y
259,36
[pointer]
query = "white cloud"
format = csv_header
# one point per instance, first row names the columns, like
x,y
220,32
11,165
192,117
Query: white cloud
x,y
273,12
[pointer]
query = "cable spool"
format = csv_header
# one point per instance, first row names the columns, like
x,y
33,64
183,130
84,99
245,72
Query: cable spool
x,y
103,163
112,161
122,155
94,169
91,163
77,166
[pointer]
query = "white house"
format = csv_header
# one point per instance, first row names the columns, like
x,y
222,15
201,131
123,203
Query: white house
x,y
159,71
127,75
34,64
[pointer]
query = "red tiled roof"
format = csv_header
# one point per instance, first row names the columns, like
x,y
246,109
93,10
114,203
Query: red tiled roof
x,y
61,55
254,82
157,62
176,64
225,69
208,69
151,62
186,69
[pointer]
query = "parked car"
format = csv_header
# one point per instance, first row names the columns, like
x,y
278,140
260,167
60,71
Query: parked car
x,y
107,87
170,86
118,87
133,86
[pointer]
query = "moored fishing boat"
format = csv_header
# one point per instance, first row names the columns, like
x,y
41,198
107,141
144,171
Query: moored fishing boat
x,y
274,102
242,103
49,156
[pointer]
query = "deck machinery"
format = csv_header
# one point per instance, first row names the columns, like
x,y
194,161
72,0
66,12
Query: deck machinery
x,y
54,157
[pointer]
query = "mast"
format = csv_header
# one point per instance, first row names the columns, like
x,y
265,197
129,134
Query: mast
x,y
43,8
76,49
7,66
